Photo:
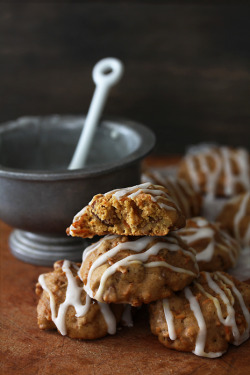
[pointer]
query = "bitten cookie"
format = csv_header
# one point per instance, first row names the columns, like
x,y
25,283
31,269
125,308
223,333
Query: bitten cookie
x,y
144,209
216,249
235,217
137,270
183,193
217,171
65,306
204,317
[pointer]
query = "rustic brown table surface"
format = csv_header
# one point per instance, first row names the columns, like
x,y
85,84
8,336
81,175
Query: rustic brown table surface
x,y
26,350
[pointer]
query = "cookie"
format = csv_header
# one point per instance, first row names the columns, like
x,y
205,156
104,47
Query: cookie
x,y
216,249
65,306
183,193
217,171
144,209
235,217
136,270
205,317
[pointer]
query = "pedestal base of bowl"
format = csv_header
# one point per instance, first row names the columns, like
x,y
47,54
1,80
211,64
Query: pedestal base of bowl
x,y
44,250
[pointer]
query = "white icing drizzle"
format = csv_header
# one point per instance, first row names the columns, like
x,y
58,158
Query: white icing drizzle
x,y
221,158
229,245
245,240
243,163
179,189
127,320
147,188
75,219
215,301
190,194
73,298
211,175
228,186
108,317
245,334
177,194
137,246
230,319
207,253
88,250
193,173
205,231
247,236
169,319
202,334
146,178
172,268
241,159
80,213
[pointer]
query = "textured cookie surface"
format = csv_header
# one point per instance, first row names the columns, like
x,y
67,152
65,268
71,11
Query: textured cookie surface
x,y
144,209
64,305
188,199
217,171
205,317
216,249
235,217
137,270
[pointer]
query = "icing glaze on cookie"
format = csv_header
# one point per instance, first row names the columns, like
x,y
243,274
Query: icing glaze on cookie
x,y
245,334
228,302
201,337
179,189
239,216
222,159
169,319
73,298
218,284
127,320
170,243
205,230
147,188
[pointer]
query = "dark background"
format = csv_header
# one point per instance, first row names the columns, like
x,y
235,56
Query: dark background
x,y
187,65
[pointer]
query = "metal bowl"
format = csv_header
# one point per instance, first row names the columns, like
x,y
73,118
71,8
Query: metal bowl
x,y
40,196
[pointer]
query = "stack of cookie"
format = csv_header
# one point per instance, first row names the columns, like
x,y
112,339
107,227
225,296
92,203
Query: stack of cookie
x,y
141,261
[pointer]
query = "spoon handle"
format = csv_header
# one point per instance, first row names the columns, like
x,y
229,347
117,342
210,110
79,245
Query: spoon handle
x,y
106,73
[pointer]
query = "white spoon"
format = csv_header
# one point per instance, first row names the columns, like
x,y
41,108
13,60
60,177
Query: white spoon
x,y
106,73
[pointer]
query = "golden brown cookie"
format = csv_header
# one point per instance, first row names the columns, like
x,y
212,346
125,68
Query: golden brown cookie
x,y
204,317
65,306
216,249
217,171
183,193
136,270
144,209
235,217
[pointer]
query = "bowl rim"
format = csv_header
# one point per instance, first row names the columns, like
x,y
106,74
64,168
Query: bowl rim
x,y
148,140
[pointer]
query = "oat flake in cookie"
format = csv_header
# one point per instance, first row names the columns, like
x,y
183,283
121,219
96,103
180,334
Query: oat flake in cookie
x,y
205,317
216,249
142,210
137,270
65,306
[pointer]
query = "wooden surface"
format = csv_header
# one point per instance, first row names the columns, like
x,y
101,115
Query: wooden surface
x,y
187,64
25,350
